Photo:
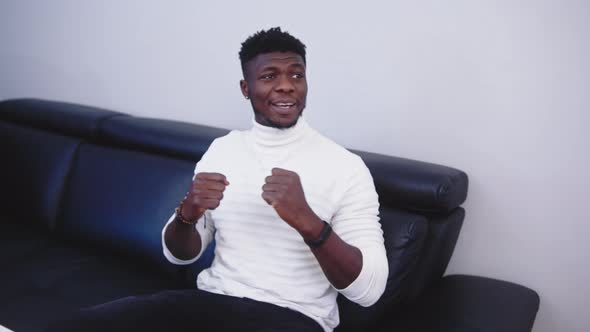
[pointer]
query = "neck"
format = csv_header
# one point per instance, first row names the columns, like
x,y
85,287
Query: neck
x,y
271,137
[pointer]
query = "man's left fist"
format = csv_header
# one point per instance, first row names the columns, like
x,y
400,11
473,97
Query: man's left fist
x,y
284,192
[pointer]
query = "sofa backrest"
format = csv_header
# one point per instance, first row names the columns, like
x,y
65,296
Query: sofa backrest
x,y
118,200
101,178
404,235
39,141
125,184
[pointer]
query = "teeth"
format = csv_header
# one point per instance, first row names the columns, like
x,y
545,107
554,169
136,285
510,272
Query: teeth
x,y
285,104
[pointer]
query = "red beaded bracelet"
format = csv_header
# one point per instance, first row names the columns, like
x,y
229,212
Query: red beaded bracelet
x,y
181,219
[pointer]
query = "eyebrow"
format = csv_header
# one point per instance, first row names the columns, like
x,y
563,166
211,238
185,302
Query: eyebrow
x,y
296,65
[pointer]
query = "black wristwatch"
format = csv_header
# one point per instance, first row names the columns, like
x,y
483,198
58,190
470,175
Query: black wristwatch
x,y
322,238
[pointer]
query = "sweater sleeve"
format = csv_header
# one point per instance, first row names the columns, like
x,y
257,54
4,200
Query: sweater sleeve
x,y
205,230
357,223
205,226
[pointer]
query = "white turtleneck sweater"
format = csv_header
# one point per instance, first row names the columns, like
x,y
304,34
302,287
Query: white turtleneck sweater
x,y
257,254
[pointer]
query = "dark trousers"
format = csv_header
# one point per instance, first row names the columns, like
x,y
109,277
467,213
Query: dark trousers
x,y
186,310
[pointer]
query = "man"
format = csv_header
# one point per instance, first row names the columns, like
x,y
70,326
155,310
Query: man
x,y
293,214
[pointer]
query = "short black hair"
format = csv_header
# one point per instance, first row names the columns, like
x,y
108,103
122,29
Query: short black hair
x,y
271,40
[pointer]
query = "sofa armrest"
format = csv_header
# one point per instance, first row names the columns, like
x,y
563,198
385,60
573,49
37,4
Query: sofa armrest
x,y
469,303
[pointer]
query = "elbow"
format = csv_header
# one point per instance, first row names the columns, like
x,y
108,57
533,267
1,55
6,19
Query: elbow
x,y
376,290
370,300
179,260
371,282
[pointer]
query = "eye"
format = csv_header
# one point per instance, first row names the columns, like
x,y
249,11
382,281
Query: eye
x,y
267,76
298,75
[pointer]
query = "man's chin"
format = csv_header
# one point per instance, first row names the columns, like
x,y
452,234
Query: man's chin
x,y
288,125
281,125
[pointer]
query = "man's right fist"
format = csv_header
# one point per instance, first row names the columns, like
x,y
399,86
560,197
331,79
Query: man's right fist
x,y
205,193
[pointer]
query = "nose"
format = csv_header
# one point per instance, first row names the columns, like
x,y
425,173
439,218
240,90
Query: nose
x,y
284,84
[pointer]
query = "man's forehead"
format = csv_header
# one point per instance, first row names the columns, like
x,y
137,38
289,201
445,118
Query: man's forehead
x,y
285,58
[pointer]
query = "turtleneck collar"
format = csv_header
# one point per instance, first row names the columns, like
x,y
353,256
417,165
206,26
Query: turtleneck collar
x,y
274,137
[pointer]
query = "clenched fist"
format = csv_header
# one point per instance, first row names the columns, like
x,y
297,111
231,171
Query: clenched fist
x,y
206,192
284,192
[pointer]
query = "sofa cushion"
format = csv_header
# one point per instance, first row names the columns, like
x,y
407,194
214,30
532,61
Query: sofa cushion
x,y
464,303
404,235
19,241
32,312
63,277
35,166
119,200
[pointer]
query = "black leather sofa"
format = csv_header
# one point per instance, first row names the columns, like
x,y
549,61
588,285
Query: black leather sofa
x,y
85,193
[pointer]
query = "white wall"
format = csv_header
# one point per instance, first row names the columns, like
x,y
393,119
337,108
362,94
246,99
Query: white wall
x,y
498,88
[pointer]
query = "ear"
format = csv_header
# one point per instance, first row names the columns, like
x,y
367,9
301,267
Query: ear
x,y
244,88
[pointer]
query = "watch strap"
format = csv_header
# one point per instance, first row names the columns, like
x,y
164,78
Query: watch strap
x,y
322,238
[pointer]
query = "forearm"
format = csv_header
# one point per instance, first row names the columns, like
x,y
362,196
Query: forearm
x,y
357,269
183,241
341,262
357,272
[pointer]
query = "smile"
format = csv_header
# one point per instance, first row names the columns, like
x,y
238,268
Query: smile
x,y
284,105
284,108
